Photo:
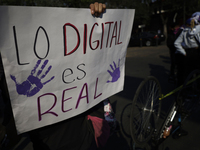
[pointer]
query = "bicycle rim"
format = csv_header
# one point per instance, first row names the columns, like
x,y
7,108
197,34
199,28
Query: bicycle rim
x,y
145,110
189,96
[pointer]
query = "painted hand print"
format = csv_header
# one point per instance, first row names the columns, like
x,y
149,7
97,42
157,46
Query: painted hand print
x,y
115,73
33,84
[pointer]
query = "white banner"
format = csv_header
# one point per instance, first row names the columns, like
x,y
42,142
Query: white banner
x,y
59,62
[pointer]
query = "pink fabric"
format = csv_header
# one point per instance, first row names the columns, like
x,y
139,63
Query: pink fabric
x,y
176,30
101,130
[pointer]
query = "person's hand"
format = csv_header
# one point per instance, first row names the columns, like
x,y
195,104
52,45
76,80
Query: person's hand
x,y
97,8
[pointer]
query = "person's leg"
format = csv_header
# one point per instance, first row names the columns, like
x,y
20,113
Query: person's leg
x,y
38,144
196,58
178,131
181,65
185,65
172,67
190,61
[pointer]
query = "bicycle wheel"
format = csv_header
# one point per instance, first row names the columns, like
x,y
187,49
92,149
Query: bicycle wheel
x,y
189,95
145,110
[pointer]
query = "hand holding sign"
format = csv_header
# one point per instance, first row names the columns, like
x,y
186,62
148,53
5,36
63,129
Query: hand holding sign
x,y
33,84
116,72
97,8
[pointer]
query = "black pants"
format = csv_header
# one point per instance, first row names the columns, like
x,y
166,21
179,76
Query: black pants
x,y
72,134
173,62
186,64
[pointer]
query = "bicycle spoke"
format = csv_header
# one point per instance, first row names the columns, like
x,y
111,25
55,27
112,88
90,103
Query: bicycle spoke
x,y
145,110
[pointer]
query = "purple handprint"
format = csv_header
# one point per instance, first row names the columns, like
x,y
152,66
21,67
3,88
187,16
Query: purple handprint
x,y
33,84
116,72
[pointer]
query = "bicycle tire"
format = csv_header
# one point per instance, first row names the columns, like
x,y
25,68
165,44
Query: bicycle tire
x,y
145,110
189,95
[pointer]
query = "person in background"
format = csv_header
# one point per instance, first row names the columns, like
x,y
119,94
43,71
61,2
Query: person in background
x,y
171,37
187,57
187,49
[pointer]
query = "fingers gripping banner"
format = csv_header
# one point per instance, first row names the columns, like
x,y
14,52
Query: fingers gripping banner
x,y
60,62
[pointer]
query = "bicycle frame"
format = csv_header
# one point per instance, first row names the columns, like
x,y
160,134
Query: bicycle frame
x,y
158,138
145,113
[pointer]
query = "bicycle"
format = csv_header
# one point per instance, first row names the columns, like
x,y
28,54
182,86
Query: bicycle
x,y
146,109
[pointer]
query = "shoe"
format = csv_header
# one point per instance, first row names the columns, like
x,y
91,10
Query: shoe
x,y
171,79
180,132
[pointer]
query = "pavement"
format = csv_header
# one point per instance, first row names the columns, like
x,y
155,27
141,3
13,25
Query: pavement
x,y
140,63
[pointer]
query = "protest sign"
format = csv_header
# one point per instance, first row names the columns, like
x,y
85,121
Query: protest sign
x,y
60,62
